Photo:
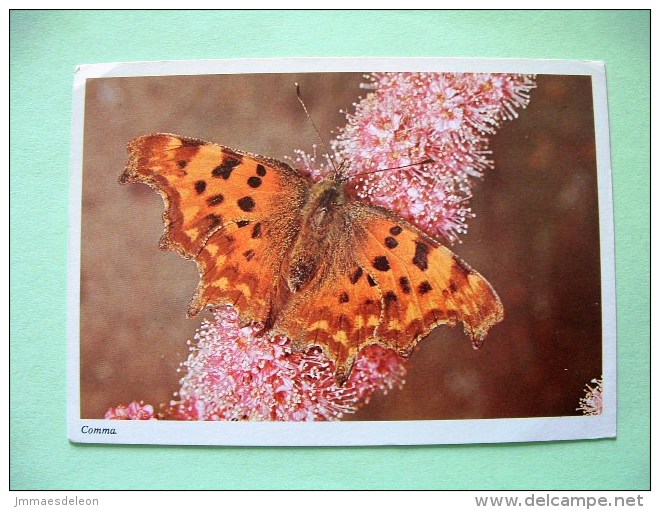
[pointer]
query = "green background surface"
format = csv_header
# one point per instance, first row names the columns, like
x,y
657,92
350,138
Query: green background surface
x,y
45,47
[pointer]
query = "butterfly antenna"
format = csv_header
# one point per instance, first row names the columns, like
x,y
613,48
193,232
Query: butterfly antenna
x,y
428,160
318,133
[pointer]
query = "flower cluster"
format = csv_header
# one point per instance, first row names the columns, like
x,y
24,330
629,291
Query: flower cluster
x,y
592,402
435,125
235,374
133,411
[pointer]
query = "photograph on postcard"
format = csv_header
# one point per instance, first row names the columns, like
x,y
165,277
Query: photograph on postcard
x,y
340,246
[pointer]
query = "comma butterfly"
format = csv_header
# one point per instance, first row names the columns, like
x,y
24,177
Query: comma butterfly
x,y
307,260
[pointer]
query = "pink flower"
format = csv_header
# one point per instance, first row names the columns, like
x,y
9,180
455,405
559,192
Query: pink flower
x,y
133,411
592,402
232,374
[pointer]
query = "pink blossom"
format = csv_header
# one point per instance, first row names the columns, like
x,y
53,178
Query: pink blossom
x,y
133,411
592,402
233,374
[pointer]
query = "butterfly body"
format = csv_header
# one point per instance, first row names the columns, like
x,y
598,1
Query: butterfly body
x,y
321,220
307,260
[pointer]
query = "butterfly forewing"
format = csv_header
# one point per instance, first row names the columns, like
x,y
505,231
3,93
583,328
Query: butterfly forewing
x,y
206,186
221,209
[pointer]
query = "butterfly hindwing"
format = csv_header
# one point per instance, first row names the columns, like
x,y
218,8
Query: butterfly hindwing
x,y
338,312
396,286
239,267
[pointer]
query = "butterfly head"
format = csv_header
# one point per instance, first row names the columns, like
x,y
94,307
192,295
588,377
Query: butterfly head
x,y
340,173
328,194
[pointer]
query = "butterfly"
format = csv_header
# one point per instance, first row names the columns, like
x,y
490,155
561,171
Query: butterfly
x,y
306,259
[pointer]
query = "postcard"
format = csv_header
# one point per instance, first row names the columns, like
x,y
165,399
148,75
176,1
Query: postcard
x,y
341,251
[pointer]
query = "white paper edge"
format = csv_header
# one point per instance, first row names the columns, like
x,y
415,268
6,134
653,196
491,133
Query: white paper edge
x,y
348,433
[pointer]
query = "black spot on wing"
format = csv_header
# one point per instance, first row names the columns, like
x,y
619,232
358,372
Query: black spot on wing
x,y
396,230
420,258
381,263
214,220
424,288
200,187
390,297
246,203
261,170
254,182
404,283
391,243
356,275
215,199
227,166
256,231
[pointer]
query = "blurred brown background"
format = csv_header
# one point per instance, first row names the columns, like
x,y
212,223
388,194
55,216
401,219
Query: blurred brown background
x,y
535,238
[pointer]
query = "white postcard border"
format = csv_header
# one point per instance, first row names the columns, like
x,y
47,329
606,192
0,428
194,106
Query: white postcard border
x,y
347,433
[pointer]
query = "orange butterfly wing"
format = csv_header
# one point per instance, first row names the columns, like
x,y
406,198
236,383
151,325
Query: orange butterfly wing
x,y
423,284
235,213
338,311
397,286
